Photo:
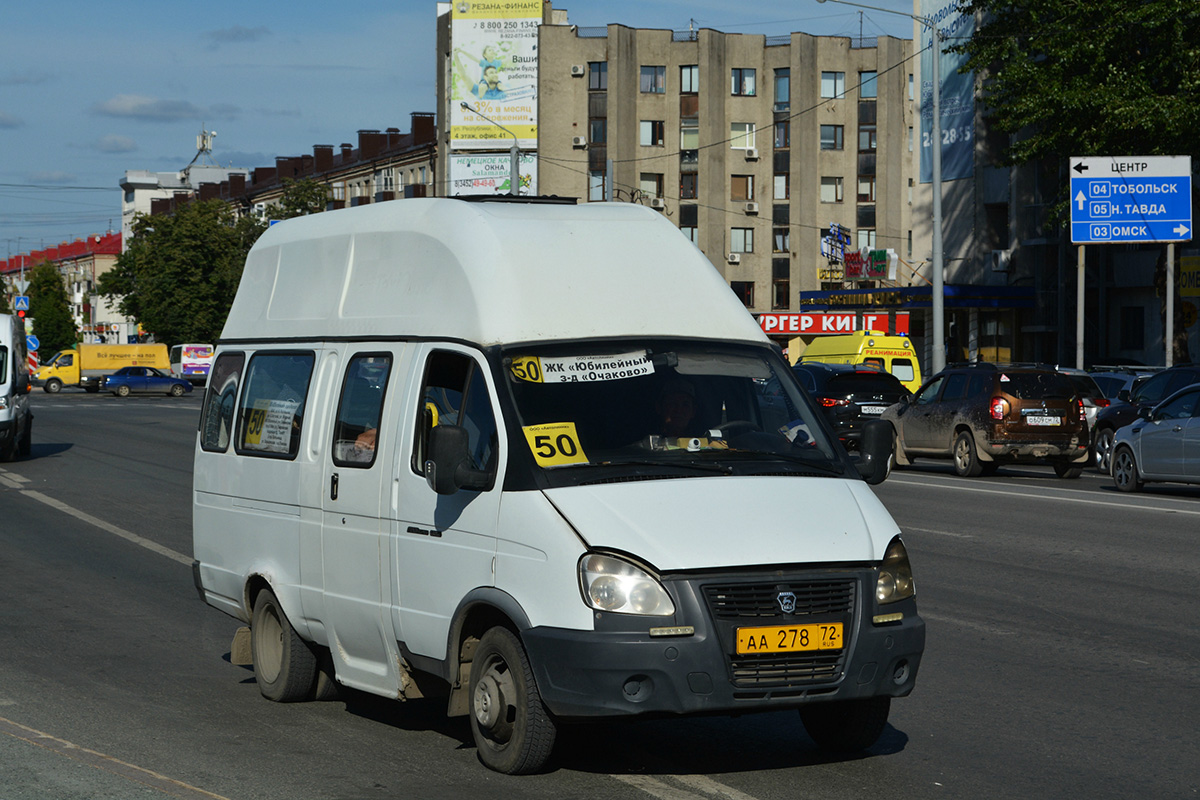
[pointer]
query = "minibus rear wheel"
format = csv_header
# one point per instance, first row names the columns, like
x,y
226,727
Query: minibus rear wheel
x,y
284,666
513,731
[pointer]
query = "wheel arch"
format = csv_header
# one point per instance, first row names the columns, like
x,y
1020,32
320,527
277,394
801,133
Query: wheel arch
x,y
481,609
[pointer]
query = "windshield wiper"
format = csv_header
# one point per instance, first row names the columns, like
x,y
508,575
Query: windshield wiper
x,y
723,469
828,467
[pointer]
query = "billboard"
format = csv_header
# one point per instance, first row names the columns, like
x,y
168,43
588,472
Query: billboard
x,y
493,68
957,100
487,173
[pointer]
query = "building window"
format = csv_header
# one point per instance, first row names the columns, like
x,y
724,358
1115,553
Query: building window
x,y
598,76
782,240
866,138
741,240
386,179
783,186
1133,327
910,86
910,138
910,244
783,135
651,133
596,186
688,185
651,184
910,190
833,84
689,79
338,190
866,188
867,85
745,292
741,187
689,134
654,80
831,137
743,81
690,232
598,131
866,238
741,135
832,190
780,283
783,90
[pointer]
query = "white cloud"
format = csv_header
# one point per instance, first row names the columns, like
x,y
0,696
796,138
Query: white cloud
x,y
148,109
114,144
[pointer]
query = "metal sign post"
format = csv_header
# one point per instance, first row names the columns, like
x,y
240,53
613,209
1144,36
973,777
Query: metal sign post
x,y
1130,199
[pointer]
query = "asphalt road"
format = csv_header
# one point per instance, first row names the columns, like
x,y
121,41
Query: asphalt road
x,y
1062,659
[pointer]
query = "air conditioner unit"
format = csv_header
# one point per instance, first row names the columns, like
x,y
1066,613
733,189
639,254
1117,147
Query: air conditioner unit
x,y
751,208
578,70
735,258
657,202
579,141
752,154
999,260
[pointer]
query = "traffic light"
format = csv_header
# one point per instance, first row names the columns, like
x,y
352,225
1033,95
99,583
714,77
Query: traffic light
x,y
21,314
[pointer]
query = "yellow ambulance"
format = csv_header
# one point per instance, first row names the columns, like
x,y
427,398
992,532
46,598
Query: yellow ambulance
x,y
894,354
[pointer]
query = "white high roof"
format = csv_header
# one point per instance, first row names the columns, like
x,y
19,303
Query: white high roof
x,y
488,273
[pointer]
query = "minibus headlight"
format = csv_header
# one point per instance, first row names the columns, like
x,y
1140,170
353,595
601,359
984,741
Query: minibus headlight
x,y
895,580
615,585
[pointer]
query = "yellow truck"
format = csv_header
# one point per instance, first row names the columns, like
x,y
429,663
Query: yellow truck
x,y
893,354
88,363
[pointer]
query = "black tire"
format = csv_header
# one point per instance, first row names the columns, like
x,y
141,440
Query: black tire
x,y
1102,450
122,391
25,443
53,386
514,733
1125,472
176,390
284,665
846,726
1068,470
966,460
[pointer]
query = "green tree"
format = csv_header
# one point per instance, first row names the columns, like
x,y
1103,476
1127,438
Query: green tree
x,y
180,271
1092,78
51,313
4,306
1089,77
302,197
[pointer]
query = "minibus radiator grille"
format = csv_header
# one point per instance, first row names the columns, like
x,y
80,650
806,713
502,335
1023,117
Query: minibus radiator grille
x,y
761,603
761,600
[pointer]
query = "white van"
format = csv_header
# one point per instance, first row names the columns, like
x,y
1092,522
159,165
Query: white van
x,y
523,450
16,419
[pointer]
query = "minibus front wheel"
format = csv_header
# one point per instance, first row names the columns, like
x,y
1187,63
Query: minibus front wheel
x,y
284,666
513,731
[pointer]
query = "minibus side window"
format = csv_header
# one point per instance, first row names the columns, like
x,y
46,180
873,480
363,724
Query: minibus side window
x,y
873,362
455,393
356,436
216,418
271,414
3,364
902,368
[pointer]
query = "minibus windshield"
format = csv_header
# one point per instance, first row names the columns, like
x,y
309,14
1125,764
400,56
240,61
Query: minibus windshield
x,y
695,406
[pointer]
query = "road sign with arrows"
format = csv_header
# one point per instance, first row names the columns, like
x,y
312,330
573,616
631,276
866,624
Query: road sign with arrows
x,y
1131,199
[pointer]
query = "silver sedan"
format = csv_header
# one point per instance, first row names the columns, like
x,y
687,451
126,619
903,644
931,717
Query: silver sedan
x,y
1164,445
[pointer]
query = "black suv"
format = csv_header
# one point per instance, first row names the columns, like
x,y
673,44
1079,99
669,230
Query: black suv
x,y
850,395
1144,395
984,415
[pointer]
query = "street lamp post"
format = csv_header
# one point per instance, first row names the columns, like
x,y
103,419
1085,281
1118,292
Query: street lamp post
x,y
938,297
514,166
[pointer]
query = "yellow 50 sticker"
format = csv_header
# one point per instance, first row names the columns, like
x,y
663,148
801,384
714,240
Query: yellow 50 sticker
x,y
528,368
554,444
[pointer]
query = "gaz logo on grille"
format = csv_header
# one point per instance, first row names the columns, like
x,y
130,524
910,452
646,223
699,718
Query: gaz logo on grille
x,y
787,602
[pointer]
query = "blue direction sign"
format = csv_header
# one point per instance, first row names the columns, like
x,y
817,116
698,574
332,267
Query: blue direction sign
x,y
1131,199
20,303
31,343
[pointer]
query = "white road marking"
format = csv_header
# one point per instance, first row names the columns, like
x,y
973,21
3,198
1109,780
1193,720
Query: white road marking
x,y
663,790
122,769
1027,495
939,533
14,481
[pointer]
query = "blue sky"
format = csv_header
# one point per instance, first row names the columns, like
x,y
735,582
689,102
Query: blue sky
x,y
89,90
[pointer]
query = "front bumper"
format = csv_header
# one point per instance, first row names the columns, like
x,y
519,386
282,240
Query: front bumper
x,y
611,672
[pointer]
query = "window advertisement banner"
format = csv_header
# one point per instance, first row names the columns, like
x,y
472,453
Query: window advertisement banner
x,y
493,68
1189,274
491,174
958,93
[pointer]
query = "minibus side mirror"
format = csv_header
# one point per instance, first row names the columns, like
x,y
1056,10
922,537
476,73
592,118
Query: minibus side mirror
x,y
875,446
23,387
447,467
